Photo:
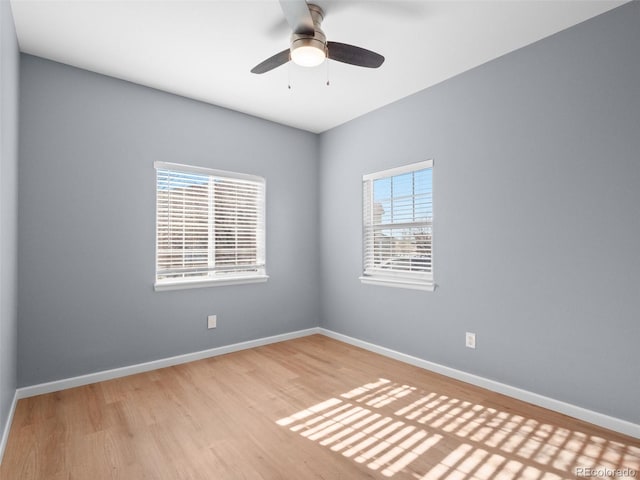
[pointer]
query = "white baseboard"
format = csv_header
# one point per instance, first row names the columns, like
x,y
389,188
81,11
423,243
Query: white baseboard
x,y
590,416
65,383
7,426
600,419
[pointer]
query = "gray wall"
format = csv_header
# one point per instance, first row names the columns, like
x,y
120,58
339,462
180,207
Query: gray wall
x,y
87,231
536,218
9,70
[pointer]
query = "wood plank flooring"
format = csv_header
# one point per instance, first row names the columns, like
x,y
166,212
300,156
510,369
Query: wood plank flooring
x,y
311,408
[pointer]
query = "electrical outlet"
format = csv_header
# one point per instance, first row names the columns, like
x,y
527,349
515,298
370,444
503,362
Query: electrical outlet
x,y
470,340
212,321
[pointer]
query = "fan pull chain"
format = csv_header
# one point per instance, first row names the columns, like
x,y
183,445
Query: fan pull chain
x,y
328,81
289,75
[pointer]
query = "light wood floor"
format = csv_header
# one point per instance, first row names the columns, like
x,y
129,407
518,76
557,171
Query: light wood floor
x,y
311,408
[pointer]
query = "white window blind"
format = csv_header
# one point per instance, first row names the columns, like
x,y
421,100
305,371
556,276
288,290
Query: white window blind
x,y
398,227
210,227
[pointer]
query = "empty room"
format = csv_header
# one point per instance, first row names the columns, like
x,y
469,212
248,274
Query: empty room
x,y
319,240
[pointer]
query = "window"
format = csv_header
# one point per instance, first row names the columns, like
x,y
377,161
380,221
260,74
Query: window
x,y
210,227
398,227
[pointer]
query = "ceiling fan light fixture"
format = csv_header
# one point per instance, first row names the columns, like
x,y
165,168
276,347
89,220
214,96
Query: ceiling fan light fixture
x,y
309,46
308,52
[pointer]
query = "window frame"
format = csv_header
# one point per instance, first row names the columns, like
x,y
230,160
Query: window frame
x,y
379,276
236,278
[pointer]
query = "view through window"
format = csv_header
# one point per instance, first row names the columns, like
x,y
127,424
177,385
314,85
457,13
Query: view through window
x,y
398,226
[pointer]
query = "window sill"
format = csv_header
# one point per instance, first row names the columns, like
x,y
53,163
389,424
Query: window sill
x,y
398,283
218,282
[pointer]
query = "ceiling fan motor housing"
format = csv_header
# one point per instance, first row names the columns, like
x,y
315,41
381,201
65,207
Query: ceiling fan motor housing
x,y
318,39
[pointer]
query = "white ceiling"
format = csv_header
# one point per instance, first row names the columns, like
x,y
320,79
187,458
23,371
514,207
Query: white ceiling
x,y
205,49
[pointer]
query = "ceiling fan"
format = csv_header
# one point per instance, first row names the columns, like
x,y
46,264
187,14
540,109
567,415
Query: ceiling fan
x,y
309,45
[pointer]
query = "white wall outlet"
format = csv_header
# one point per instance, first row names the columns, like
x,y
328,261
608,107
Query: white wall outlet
x,y
212,321
470,340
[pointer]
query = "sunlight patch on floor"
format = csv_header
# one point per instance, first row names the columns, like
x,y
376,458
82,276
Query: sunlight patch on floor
x,y
393,428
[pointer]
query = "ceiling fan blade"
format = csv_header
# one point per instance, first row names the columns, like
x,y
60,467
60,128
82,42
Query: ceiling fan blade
x,y
298,16
342,52
272,62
